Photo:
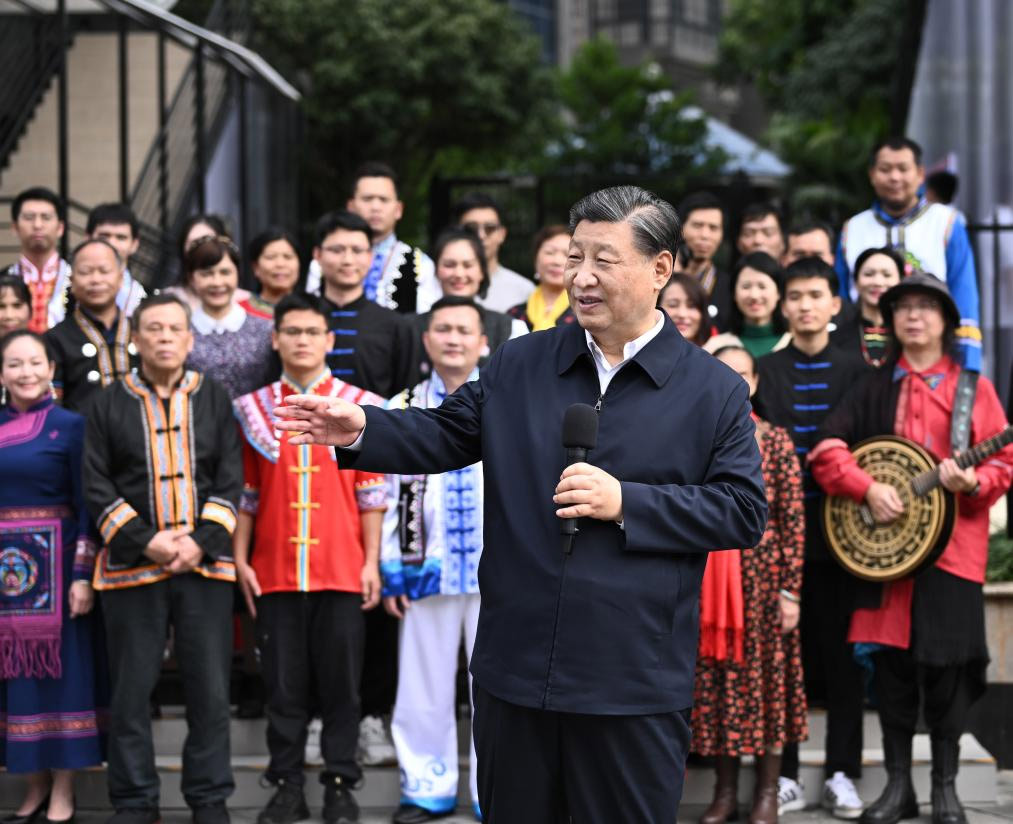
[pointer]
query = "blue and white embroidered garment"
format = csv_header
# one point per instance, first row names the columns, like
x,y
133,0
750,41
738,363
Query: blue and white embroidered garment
x,y
432,538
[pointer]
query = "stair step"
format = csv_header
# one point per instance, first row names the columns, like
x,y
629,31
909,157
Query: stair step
x,y
976,782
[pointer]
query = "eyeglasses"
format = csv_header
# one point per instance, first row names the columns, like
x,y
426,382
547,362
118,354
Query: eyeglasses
x,y
311,332
482,229
224,240
340,250
908,307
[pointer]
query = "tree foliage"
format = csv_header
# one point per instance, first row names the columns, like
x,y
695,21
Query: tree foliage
x,y
429,87
627,119
826,69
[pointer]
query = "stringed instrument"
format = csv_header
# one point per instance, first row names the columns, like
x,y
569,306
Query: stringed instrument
x,y
915,540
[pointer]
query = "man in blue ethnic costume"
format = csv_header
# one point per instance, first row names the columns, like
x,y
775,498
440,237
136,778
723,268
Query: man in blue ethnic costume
x,y
163,476
432,543
50,688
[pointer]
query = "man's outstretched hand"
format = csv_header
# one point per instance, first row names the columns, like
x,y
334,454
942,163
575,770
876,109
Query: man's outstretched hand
x,y
325,421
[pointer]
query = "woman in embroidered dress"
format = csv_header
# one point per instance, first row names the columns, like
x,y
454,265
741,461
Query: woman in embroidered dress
x,y
51,680
876,270
549,304
274,260
230,345
749,697
15,304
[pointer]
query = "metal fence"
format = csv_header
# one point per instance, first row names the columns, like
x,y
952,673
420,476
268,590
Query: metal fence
x,y
992,242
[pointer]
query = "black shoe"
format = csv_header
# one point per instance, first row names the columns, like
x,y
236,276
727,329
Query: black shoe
x,y
898,800
287,805
28,818
339,803
135,815
70,820
946,807
412,814
216,813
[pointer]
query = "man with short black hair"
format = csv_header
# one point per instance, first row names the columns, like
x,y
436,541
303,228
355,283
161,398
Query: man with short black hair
x,y
117,224
162,475
703,222
799,386
431,550
941,187
481,214
374,348
585,652
92,346
306,559
809,238
761,229
398,276
932,237
37,216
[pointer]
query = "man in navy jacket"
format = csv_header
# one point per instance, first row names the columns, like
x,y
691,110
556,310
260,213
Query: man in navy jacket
x,y
583,664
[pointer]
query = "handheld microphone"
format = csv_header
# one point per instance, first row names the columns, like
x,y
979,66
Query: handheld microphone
x,y
580,435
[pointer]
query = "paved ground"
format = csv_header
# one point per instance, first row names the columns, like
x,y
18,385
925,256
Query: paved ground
x,y
1001,811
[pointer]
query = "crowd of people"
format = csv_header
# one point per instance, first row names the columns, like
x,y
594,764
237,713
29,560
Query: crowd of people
x,y
140,461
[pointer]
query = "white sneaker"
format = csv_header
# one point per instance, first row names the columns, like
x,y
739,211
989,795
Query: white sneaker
x,y
789,796
375,746
312,754
841,797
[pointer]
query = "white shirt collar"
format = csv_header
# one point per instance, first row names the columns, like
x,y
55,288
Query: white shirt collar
x,y
204,324
605,370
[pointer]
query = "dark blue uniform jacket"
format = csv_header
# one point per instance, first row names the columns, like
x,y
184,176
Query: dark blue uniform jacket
x,y
611,628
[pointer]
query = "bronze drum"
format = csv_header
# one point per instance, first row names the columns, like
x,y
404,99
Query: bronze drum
x,y
915,540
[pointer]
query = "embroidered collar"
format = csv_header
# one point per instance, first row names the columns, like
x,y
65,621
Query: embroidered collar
x,y
114,364
933,375
311,387
43,403
899,220
139,382
233,321
50,269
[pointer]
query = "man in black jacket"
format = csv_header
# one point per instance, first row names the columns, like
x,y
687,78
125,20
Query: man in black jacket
x,y
162,476
584,662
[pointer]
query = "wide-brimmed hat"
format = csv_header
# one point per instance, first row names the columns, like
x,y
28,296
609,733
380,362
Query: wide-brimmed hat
x,y
924,284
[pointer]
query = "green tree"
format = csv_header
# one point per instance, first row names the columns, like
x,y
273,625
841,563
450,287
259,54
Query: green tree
x,y
429,87
833,74
627,120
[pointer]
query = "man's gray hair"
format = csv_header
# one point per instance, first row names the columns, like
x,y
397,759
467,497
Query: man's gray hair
x,y
654,222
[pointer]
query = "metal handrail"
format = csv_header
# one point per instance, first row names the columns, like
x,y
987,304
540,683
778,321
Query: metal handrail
x,y
29,81
247,62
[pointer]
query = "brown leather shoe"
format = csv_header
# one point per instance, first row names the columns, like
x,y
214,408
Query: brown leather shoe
x,y
764,811
725,806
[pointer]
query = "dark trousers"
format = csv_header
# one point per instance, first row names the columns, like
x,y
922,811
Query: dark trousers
x,y
379,666
542,767
137,621
311,658
947,693
830,668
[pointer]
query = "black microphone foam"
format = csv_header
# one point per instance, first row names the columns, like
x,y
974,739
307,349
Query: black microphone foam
x,y
580,434
580,427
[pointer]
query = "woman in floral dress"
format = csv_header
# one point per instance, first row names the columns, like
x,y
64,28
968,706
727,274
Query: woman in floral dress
x,y
749,697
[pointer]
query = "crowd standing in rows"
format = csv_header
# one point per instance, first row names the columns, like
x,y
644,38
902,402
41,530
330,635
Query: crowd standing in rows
x,y
140,459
